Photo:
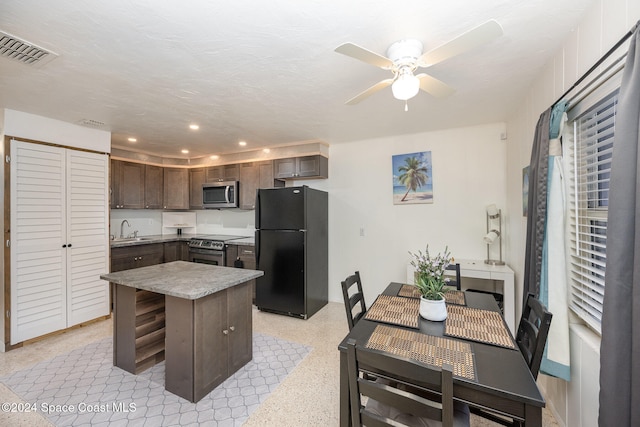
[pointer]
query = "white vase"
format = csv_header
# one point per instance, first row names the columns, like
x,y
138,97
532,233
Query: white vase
x,y
433,310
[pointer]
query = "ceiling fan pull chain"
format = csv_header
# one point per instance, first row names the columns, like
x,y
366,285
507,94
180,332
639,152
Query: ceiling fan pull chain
x,y
406,105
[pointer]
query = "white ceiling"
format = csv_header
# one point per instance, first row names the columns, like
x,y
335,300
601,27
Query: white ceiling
x,y
266,72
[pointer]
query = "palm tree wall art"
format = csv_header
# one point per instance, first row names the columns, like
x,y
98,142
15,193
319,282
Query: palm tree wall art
x,y
412,181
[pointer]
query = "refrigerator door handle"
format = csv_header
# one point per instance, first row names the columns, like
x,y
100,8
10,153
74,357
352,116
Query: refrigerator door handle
x,y
257,248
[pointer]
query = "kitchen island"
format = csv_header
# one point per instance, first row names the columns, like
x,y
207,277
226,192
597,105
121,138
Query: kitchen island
x,y
196,317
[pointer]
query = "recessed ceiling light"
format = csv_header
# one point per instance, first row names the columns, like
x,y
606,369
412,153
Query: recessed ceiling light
x,y
132,140
266,150
194,126
214,157
242,143
185,151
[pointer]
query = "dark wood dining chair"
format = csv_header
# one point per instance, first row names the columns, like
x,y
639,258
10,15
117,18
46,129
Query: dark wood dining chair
x,y
353,299
380,378
531,339
454,282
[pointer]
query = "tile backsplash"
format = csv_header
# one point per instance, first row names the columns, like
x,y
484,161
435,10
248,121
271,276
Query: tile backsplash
x,y
149,222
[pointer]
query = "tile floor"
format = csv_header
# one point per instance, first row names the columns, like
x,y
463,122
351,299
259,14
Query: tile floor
x,y
307,396
103,395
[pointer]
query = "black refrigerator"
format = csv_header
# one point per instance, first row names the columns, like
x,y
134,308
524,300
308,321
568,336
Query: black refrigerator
x,y
292,250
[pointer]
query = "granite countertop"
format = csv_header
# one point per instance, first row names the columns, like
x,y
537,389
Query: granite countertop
x,y
162,238
182,279
247,241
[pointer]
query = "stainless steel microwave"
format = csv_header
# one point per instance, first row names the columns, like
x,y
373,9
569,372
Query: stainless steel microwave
x,y
224,194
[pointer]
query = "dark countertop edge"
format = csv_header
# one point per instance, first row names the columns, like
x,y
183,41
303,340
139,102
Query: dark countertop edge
x,y
166,238
242,276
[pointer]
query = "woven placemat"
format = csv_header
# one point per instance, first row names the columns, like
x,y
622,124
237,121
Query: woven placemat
x,y
477,325
395,310
450,297
455,297
426,349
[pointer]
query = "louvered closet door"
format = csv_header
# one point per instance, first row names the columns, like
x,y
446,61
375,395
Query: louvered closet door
x,y
38,232
88,234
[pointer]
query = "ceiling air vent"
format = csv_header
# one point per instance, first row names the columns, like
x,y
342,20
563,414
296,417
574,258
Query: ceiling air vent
x,y
12,47
91,123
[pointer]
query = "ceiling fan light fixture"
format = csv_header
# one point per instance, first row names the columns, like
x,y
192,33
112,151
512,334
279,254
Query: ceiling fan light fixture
x,y
406,86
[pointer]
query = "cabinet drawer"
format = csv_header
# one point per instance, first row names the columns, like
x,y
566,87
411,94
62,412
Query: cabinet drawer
x,y
246,251
129,257
248,255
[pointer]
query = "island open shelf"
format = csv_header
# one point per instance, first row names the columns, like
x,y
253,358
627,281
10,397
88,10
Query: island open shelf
x,y
196,317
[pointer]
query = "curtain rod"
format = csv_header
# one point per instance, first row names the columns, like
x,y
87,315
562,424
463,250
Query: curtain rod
x,y
599,62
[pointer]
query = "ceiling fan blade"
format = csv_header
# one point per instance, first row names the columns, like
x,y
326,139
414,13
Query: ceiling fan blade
x,y
373,89
475,37
433,86
364,55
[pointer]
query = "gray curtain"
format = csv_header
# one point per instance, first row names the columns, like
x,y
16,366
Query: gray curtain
x,y
537,206
620,346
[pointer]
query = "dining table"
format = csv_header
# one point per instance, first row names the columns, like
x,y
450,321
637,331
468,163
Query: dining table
x,y
489,370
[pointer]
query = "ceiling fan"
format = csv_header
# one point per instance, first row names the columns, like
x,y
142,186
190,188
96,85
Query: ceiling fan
x,y
405,56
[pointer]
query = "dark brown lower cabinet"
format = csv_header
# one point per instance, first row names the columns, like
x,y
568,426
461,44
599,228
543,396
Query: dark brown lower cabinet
x,y
219,344
128,257
247,255
176,251
203,341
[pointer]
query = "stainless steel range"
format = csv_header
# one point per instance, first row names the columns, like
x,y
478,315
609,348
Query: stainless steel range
x,y
210,249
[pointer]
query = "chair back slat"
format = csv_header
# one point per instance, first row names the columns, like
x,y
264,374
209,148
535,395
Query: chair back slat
x,y
447,395
531,339
392,396
391,393
353,297
532,333
454,282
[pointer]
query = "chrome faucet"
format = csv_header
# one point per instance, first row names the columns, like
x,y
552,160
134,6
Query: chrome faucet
x,y
122,227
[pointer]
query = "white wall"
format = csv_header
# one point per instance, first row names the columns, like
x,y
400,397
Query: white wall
x,y
468,174
599,30
38,128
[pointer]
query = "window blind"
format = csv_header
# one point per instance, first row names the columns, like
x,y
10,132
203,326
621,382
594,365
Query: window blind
x,y
590,164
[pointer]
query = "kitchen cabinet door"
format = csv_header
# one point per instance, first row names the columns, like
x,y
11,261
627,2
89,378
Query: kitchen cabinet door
x,y
301,167
220,342
131,186
176,188
249,181
247,255
255,175
196,179
266,175
240,326
128,257
231,255
114,176
153,187
176,251
223,173
285,168
312,167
